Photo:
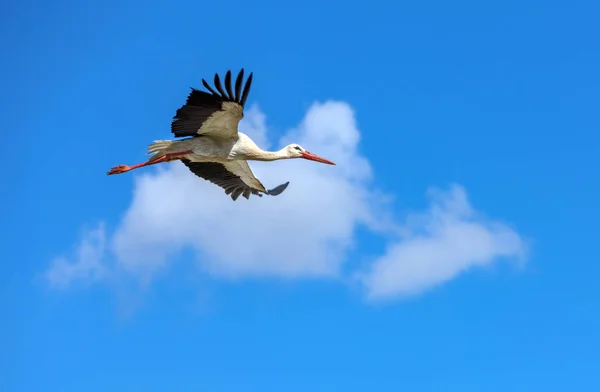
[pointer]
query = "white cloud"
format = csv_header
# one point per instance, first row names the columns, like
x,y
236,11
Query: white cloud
x,y
438,245
88,264
307,231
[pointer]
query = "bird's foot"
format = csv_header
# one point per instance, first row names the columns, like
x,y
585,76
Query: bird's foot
x,y
119,169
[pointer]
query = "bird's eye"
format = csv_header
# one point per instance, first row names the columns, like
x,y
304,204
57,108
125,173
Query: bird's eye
x,y
297,148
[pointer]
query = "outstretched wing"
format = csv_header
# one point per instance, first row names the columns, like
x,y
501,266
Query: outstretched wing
x,y
216,113
234,177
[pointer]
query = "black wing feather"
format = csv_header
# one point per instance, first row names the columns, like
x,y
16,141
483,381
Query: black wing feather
x,y
200,105
238,85
228,86
246,90
232,184
219,87
205,83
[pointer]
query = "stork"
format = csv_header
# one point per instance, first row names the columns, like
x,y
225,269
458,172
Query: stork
x,y
212,147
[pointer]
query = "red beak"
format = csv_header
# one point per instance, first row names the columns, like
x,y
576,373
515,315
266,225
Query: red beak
x,y
312,157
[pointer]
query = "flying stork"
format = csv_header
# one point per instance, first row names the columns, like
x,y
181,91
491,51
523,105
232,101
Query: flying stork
x,y
212,148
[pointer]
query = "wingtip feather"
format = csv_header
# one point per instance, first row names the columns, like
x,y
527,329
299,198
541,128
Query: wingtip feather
x,y
246,89
228,85
208,87
278,190
238,85
219,86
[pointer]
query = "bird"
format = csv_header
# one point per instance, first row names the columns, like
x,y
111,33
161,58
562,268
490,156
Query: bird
x,y
209,144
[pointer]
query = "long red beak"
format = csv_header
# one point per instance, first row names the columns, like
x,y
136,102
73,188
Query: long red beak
x,y
312,157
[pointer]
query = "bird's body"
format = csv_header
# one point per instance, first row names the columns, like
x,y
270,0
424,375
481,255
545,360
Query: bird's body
x,y
207,149
212,147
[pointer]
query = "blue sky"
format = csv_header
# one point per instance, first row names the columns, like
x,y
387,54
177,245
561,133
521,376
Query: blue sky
x,y
452,247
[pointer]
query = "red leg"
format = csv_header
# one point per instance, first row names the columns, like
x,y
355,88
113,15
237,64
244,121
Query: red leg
x,y
165,158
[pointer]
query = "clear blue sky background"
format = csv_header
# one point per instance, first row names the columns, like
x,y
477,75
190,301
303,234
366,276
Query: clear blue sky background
x,y
501,97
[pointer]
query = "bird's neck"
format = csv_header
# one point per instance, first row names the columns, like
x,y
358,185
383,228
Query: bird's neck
x,y
263,155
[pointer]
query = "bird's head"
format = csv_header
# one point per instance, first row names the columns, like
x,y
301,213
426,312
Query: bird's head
x,y
297,151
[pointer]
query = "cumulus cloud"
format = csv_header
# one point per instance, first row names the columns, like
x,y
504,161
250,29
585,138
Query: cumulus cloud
x,y
448,239
306,232
86,264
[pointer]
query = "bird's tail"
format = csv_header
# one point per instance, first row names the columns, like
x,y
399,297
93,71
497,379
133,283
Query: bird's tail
x,y
158,147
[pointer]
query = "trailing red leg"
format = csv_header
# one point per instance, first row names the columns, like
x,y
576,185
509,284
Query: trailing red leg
x,y
165,158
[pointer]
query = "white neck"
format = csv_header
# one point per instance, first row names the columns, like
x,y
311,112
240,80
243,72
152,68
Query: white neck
x,y
262,155
246,148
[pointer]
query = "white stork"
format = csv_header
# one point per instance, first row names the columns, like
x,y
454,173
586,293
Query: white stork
x,y
213,149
